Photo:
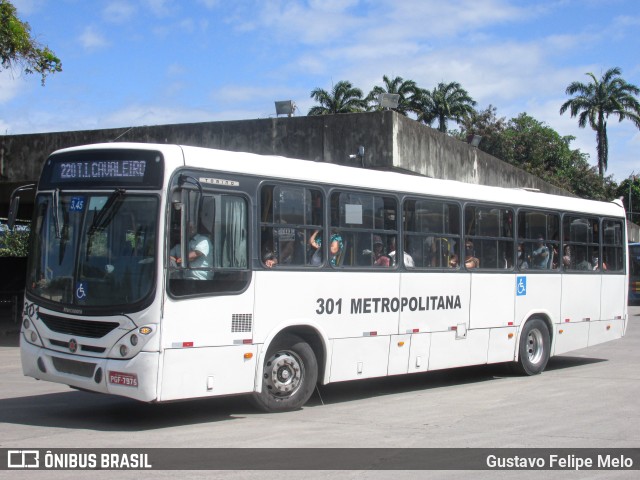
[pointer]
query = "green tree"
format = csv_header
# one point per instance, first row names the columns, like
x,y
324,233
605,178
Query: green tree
x,y
488,125
629,190
18,49
14,243
594,102
448,101
344,98
541,151
407,90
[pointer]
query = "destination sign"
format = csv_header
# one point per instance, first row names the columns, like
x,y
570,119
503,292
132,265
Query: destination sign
x,y
125,168
100,169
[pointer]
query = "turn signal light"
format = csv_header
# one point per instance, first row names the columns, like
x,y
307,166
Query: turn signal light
x,y
247,356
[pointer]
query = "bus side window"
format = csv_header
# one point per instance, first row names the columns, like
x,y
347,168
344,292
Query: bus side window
x,y
581,235
291,226
612,246
538,240
366,224
432,234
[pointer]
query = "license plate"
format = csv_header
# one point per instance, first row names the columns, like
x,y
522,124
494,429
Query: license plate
x,y
126,379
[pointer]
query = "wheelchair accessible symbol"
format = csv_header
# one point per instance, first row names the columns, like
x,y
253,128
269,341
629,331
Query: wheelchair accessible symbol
x,y
81,291
521,286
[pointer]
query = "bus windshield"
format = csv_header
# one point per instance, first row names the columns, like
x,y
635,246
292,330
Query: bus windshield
x,y
93,249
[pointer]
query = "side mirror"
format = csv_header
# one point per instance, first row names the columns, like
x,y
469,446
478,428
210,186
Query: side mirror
x,y
13,211
15,203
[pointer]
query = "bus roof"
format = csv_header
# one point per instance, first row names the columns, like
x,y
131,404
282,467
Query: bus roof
x,y
277,167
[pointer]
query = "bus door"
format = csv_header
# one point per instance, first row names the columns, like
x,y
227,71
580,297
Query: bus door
x,y
613,303
537,282
488,257
208,319
581,283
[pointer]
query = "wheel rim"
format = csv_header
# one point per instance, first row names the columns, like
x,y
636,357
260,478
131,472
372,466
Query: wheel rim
x,y
535,346
283,374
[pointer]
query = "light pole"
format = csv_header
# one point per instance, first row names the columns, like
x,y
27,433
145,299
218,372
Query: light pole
x,y
632,179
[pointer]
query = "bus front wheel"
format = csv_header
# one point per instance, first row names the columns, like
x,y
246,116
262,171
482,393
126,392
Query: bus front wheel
x,y
289,375
535,346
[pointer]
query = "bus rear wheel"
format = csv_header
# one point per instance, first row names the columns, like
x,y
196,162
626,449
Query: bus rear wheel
x,y
535,346
289,375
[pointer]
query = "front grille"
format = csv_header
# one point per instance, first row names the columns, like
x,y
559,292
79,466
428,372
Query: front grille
x,y
73,367
80,328
241,322
92,349
84,348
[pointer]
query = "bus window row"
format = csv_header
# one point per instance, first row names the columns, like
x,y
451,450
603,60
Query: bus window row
x,y
364,232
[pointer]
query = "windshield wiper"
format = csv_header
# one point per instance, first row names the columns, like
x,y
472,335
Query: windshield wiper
x,y
104,217
56,215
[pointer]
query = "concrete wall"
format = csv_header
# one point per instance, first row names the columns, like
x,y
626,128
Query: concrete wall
x,y
391,141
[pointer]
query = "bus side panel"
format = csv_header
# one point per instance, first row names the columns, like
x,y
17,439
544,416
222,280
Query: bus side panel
x,y
580,297
201,372
580,305
492,300
605,330
399,350
502,344
448,350
345,304
419,356
538,293
614,301
356,358
571,336
441,301
209,320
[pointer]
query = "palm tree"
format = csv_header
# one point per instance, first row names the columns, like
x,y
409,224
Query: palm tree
x,y
407,89
448,101
344,98
595,101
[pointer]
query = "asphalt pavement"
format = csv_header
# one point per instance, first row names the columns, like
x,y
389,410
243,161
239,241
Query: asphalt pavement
x,y
585,399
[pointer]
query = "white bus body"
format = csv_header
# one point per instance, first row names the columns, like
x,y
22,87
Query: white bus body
x,y
275,332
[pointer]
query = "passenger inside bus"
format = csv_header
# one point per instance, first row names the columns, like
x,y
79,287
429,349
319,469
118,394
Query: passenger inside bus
x,y
200,255
336,245
470,260
582,262
377,255
566,258
522,259
407,259
540,256
269,257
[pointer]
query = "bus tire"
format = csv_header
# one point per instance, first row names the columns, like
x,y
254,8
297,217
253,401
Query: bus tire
x,y
289,375
535,346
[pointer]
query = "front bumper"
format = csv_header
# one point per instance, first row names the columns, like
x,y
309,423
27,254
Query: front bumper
x,y
94,374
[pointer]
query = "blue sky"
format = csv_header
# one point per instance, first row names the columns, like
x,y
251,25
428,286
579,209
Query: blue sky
x,y
149,62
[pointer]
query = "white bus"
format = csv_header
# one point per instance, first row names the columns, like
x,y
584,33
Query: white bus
x,y
165,272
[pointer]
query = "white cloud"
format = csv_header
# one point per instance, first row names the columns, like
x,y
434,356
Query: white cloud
x,y
246,94
92,39
176,69
159,8
209,4
27,7
140,115
119,11
11,85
